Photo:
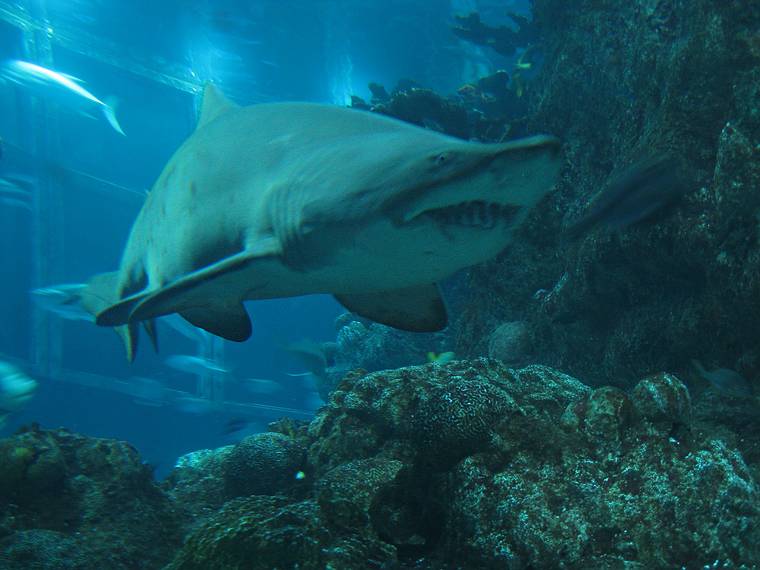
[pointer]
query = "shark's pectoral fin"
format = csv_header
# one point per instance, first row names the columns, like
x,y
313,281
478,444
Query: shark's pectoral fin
x,y
415,309
230,322
200,298
118,313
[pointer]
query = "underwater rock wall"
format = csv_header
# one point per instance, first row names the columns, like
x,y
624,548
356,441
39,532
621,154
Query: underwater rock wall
x,y
622,81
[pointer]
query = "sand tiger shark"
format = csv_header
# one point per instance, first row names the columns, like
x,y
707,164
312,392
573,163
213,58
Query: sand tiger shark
x,y
286,199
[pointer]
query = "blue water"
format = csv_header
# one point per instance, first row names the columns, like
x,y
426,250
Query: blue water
x,y
140,52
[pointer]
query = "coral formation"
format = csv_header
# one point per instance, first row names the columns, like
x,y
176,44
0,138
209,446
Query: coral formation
x,y
467,464
68,501
502,39
662,78
372,347
262,464
471,464
474,465
509,343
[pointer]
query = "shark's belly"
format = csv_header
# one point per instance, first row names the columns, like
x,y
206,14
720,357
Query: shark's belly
x,y
379,258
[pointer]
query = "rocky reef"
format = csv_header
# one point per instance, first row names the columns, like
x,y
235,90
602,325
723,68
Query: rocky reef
x,y
72,502
465,465
472,464
617,84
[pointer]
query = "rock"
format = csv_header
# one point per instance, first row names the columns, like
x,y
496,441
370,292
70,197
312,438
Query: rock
x,y
262,464
577,512
434,414
80,502
196,484
349,493
262,533
509,342
602,417
663,401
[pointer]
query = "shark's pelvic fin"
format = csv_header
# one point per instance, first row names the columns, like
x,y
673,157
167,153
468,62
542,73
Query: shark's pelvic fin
x,y
150,328
415,309
214,104
118,312
101,293
230,322
178,297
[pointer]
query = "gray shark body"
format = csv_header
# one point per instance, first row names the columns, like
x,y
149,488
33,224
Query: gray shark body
x,y
286,199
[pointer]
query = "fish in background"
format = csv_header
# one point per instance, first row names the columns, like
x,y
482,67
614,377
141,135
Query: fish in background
x,y
646,189
16,191
148,392
234,425
311,354
60,87
180,325
725,381
16,389
62,300
313,401
193,405
260,386
194,364
440,358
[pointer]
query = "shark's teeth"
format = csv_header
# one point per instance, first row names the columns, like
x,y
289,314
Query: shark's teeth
x,y
475,214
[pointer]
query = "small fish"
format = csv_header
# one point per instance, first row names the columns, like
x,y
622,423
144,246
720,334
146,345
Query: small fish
x,y
311,354
725,381
62,300
300,476
194,364
645,189
184,328
63,87
313,401
15,203
16,186
193,405
442,358
16,389
148,392
234,425
261,385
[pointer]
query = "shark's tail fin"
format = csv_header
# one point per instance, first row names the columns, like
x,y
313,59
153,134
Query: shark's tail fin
x,y
102,292
109,110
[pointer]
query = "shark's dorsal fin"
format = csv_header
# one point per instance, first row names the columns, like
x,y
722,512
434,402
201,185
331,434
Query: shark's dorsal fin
x,y
415,309
214,104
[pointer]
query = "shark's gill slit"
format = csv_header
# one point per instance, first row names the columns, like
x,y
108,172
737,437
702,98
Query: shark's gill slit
x,y
476,214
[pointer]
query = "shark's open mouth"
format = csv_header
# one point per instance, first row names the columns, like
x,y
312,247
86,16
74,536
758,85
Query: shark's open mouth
x,y
475,214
